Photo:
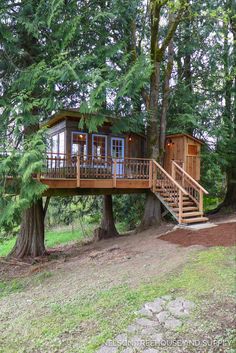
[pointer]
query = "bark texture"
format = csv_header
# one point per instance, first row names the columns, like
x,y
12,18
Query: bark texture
x,y
230,197
107,228
156,129
30,241
152,213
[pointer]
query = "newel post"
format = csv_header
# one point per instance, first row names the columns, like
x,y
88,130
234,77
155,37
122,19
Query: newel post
x,y
150,174
78,170
173,170
180,206
201,201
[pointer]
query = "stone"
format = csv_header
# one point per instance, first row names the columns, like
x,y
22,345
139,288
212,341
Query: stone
x,y
180,307
128,350
147,322
155,306
132,329
147,331
163,316
108,349
122,339
156,339
172,324
137,342
145,312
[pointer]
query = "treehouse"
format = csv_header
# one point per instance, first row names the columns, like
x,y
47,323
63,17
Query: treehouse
x,y
108,162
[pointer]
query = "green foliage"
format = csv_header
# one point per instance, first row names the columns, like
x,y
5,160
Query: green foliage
x,y
20,192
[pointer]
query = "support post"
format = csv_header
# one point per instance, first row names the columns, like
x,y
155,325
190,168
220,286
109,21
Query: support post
x,y
78,171
180,206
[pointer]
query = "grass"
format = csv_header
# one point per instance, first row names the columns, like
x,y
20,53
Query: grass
x,y
56,237
104,313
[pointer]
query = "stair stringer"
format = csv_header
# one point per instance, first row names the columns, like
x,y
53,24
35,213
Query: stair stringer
x,y
169,208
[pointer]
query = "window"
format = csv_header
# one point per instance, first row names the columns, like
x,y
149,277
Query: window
x,y
58,144
192,150
99,146
56,150
79,144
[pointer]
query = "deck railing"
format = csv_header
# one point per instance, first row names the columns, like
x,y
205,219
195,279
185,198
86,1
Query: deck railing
x,y
61,166
174,192
193,188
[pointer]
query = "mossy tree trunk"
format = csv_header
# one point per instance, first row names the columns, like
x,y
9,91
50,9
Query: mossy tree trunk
x,y
107,228
30,241
156,129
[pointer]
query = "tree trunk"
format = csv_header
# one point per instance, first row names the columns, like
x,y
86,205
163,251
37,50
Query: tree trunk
x,y
107,228
230,197
152,213
30,241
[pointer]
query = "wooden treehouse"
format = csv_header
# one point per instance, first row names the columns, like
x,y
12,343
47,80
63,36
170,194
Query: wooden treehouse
x,y
79,162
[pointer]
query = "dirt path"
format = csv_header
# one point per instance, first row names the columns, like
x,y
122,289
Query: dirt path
x,y
128,260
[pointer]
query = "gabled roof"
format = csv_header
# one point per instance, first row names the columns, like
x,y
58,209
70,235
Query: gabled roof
x,y
187,135
72,113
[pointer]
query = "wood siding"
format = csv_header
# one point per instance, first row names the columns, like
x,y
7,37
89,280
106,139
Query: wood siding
x,y
134,144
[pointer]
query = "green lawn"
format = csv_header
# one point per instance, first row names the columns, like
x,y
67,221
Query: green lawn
x,y
108,311
53,238
56,237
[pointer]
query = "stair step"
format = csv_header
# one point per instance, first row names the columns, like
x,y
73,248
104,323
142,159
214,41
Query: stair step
x,y
191,214
166,198
195,220
186,209
176,196
185,203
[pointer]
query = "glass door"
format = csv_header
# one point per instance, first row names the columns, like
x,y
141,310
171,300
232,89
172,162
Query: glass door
x,y
118,154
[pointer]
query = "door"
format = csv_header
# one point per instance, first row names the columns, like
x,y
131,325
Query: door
x,y
118,154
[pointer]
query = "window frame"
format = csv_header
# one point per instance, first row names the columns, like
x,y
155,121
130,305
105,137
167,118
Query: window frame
x,y
79,133
99,135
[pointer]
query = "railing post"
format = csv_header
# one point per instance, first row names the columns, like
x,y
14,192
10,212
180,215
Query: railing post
x,y
114,173
150,175
78,171
154,177
173,172
201,201
180,206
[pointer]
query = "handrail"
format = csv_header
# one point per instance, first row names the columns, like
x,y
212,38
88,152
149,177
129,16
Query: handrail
x,y
189,176
170,178
95,157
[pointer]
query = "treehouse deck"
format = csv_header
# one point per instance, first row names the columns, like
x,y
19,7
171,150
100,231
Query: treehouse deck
x,y
181,195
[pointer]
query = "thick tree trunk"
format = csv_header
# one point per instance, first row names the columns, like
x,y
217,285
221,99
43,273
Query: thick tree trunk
x,y
230,197
152,213
30,241
107,228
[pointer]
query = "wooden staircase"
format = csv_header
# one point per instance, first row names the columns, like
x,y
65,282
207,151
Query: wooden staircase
x,y
181,195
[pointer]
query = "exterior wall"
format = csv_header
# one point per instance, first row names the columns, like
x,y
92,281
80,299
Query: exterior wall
x,y
134,148
185,150
174,151
192,158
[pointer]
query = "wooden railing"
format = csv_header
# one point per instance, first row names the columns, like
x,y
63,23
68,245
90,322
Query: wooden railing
x,y
62,166
163,181
194,190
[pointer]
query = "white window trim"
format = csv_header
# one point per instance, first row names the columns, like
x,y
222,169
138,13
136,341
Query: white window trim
x,y
58,143
99,135
123,145
79,133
